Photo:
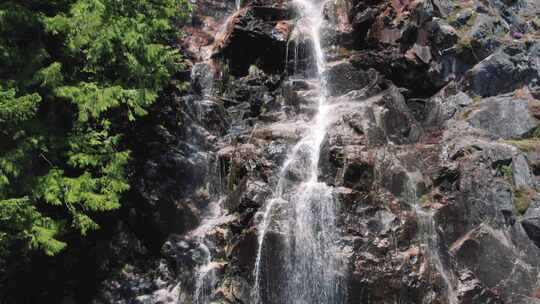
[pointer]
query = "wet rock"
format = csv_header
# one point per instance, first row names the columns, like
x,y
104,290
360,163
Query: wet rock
x,y
206,18
361,24
419,108
247,194
218,10
382,223
211,114
422,11
405,185
302,97
358,175
239,290
443,7
513,276
342,77
364,16
397,121
202,78
383,33
244,251
472,291
337,28
136,285
404,129
285,131
373,121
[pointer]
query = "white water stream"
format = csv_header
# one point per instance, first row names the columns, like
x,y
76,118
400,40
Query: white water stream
x,y
430,235
302,208
205,279
431,242
296,261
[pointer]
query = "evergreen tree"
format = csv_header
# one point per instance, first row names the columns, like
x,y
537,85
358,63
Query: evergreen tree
x,y
72,73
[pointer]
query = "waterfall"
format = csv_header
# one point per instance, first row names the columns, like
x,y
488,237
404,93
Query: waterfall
x,y
432,243
302,210
427,230
205,276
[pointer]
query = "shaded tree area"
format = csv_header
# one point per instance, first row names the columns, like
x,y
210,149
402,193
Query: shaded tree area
x,y
75,77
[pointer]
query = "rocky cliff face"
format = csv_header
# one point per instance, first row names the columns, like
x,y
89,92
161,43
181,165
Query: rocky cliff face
x,y
433,149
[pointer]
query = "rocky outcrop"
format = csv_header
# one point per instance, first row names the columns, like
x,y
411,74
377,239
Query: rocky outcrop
x,y
432,149
265,29
503,116
506,70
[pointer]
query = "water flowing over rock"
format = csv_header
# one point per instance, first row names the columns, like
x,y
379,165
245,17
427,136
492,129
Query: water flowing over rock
x,y
301,216
340,152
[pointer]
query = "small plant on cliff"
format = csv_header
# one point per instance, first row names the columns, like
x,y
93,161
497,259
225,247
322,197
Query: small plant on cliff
x,y
464,43
535,133
474,106
526,145
507,173
522,198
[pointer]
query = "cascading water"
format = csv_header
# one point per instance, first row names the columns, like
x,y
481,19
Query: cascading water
x,y
205,276
205,279
302,210
432,244
427,229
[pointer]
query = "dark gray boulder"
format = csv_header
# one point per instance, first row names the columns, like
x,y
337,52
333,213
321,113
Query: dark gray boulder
x,y
485,33
265,30
202,78
442,35
532,227
490,254
442,108
343,77
503,116
505,70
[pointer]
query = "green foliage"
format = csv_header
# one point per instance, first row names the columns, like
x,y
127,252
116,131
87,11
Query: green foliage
x,y
522,194
464,43
530,143
121,41
522,198
18,54
93,101
73,74
507,173
525,145
535,134
51,76
21,222
14,110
